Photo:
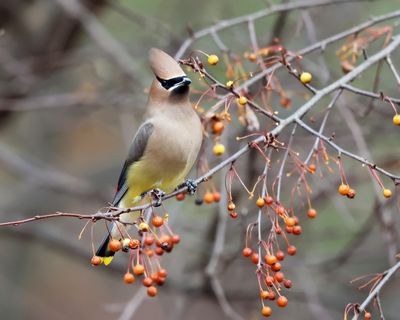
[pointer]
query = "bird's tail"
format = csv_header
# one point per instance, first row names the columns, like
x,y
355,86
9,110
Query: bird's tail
x,y
104,252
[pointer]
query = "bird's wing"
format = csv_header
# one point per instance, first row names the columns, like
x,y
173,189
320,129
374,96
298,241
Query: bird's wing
x,y
136,151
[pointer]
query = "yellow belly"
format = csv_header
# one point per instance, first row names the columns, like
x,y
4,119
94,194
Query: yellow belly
x,y
144,176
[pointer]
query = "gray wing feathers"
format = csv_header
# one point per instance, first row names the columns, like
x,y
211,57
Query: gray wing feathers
x,y
136,151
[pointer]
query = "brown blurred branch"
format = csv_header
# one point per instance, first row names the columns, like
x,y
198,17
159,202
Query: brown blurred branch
x,y
254,16
101,36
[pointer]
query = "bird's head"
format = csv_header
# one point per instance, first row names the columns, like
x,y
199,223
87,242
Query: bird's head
x,y
170,80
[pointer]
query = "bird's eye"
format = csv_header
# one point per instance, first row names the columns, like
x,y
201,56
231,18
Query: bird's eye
x,y
167,84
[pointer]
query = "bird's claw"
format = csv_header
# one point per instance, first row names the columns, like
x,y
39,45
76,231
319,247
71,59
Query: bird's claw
x,y
157,194
191,186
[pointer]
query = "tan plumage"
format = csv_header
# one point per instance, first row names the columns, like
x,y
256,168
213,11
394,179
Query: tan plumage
x,y
166,145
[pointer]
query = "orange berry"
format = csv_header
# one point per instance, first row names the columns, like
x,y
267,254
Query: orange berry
x,y
255,258
134,243
271,295
157,221
264,294
154,277
160,281
280,255
291,250
148,240
149,252
164,241
162,273
217,196
351,194
151,291
297,230
252,57
260,202
175,239
290,222
129,278
289,229
147,282
247,252
312,168
311,213
217,127
269,200
279,276
270,259
280,210
208,197
159,251
95,261
276,266
287,283
344,189
114,245
180,196
242,100
269,281
212,59
387,193
282,301
138,269
231,206
396,120
266,311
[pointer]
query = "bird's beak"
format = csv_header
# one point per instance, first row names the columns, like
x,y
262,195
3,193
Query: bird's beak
x,y
184,82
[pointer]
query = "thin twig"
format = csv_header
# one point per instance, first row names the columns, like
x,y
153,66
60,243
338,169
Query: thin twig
x,y
385,278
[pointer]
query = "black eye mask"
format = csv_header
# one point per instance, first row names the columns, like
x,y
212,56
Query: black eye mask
x,y
167,84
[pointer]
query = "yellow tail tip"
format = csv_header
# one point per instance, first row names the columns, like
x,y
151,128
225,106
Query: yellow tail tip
x,y
107,260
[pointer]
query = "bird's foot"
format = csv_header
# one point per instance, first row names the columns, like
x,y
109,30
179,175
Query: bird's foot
x,y
191,186
157,194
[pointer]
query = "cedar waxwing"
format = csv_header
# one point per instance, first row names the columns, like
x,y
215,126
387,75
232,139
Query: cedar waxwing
x,y
165,146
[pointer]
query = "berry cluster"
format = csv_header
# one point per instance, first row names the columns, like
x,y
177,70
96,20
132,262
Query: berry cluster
x,y
156,240
271,279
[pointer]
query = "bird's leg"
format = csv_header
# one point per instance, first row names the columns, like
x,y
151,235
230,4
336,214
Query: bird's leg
x,y
157,194
191,186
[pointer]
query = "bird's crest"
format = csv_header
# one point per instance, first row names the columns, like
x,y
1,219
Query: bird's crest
x,y
163,65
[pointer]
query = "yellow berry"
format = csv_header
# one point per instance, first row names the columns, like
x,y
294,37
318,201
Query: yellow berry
x,y
387,193
213,59
229,83
143,226
242,100
305,77
396,120
219,149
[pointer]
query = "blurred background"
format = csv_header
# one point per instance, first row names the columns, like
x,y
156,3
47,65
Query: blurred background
x,y
73,86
